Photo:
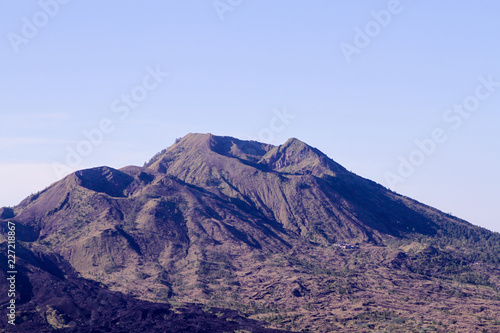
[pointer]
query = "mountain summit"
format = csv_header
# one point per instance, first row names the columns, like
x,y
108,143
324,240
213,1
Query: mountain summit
x,y
289,183
294,156
282,234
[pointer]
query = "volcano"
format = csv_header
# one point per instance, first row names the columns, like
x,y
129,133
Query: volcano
x,y
217,234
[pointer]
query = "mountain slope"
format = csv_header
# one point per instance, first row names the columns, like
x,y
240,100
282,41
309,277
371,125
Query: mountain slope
x,y
299,181
53,298
261,228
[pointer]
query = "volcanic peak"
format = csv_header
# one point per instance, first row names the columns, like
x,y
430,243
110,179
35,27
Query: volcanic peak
x,y
292,157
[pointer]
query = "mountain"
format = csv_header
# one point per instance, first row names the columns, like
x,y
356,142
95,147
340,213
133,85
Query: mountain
x,y
251,235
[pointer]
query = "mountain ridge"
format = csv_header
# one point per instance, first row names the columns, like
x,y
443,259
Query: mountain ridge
x,y
256,227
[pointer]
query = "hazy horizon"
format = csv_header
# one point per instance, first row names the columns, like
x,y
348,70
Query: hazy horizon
x,y
403,93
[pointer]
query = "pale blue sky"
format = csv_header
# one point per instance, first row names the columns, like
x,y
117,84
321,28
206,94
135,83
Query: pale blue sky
x,y
231,77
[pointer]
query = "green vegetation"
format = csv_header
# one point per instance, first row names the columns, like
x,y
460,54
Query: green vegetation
x,y
155,158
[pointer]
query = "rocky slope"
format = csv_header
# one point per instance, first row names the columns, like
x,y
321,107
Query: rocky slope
x,y
260,229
